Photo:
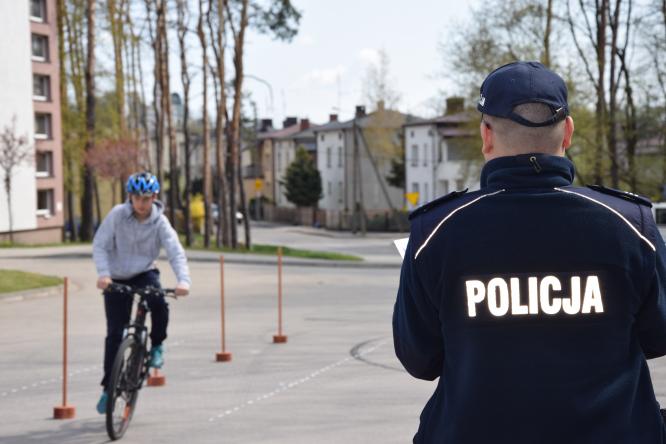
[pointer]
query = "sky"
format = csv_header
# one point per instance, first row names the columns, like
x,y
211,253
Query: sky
x,y
321,71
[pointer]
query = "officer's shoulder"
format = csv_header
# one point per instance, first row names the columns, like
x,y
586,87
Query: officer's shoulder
x,y
626,195
436,203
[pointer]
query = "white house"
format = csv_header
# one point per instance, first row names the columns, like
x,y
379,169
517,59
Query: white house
x,y
435,160
354,160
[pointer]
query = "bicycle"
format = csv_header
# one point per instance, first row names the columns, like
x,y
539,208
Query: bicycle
x,y
132,361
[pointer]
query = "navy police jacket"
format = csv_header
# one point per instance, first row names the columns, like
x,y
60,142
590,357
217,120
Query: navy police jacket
x,y
536,304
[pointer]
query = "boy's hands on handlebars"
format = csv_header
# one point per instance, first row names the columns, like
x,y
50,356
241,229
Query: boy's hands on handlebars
x,y
182,289
103,282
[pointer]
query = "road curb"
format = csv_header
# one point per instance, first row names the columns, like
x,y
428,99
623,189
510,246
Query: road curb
x,y
238,259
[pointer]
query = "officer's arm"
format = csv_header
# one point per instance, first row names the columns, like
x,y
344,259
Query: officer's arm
x,y
651,318
416,328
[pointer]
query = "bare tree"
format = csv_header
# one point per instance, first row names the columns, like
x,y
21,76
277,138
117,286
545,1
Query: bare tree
x,y
238,32
14,151
164,77
88,175
217,33
183,16
207,191
377,83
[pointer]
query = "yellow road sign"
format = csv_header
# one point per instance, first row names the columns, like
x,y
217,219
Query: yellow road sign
x,y
258,184
413,198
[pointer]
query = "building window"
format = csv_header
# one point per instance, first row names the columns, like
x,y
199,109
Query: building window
x,y
425,155
329,188
322,137
279,161
411,134
38,10
44,161
340,191
340,156
41,87
42,126
45,203
328,157
415,155
339,136
40,48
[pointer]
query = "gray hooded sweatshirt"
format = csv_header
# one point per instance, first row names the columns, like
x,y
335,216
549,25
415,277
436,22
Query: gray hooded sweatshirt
x,y
124,247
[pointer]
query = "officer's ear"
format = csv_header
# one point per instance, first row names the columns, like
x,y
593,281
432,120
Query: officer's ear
x,y
568,132
487,138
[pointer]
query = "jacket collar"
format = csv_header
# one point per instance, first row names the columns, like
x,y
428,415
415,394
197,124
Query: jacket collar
x,y
534,170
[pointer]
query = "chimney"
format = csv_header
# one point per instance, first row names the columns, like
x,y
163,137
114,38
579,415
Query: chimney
x,y
332,117
289,121
305,124
265,125
455,105
360,111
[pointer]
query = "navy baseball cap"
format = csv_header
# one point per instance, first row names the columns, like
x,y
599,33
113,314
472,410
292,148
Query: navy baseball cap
x,y
523,82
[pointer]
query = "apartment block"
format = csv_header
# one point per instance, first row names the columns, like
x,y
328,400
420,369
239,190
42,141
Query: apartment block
x,y
30,98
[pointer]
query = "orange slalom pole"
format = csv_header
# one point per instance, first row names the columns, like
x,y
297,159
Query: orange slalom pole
x,y
64,411
279,338
224,355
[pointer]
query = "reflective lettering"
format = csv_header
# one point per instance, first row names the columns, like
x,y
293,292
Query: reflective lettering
x,y
516,308
592,298
476,293
572,305
532,283
544,295
503,307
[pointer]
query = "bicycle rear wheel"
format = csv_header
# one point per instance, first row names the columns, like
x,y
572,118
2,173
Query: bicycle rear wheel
x,y
123,387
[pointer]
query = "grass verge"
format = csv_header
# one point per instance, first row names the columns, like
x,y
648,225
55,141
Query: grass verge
x,y
14,280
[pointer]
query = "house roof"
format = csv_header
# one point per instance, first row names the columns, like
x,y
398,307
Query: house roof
x,y
446,120
280,133
365,121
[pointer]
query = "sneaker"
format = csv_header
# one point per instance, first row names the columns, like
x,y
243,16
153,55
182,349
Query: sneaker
x,y
101,404
156,358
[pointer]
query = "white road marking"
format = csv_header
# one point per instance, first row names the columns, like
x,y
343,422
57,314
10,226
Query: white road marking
x,y
282,386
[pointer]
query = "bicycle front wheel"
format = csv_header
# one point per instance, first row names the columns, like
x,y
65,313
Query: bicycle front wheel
x,y
123,387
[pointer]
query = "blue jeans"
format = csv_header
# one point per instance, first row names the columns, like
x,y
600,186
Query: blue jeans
x,y
118,309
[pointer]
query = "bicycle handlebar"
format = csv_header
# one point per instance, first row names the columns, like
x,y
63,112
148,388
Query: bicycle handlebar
x,y
143,291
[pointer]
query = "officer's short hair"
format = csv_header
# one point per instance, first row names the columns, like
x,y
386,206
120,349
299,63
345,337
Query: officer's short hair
x,y
522,139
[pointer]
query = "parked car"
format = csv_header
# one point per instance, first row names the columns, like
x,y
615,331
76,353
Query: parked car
x,y
214,210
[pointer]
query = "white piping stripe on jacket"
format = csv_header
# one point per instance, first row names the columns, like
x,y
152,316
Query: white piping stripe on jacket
x,y
614,212
449,216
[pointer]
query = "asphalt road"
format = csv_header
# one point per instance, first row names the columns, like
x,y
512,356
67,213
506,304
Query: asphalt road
x,y
336,380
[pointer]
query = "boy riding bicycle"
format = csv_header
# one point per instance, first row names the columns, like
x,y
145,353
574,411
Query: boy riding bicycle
x,y
125,248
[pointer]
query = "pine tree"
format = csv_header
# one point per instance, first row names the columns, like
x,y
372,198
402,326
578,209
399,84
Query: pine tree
x,y
303,181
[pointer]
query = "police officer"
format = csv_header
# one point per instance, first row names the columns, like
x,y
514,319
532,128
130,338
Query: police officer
x,y
535,303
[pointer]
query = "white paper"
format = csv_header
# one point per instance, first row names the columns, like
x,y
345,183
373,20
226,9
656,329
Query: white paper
x,y
401,245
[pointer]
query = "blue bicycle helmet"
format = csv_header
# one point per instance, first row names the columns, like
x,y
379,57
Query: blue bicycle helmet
x,y
143,184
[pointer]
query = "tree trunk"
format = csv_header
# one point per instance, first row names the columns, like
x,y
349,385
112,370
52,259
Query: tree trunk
x,y
185,79
600,87
8,192
234,142
88,179
166,99
545,59
206,149
159,118
116,23
225,214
